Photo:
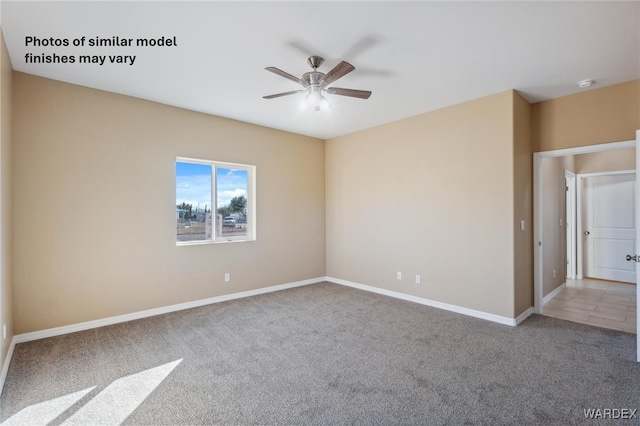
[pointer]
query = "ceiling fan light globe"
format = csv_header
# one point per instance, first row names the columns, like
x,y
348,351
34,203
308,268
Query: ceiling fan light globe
x,y
324,104
315,94
306,103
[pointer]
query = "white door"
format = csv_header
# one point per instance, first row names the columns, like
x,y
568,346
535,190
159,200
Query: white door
x,y
610,226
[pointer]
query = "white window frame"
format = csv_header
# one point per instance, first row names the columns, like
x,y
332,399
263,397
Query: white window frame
x,y
251,204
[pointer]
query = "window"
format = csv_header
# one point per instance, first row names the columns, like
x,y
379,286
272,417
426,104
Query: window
x,y
214,201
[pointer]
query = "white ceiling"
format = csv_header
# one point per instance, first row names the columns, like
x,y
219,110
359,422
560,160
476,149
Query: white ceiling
x,y
414,56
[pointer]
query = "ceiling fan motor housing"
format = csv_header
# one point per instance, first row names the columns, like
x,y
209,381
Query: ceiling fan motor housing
x,y
313,77
315,61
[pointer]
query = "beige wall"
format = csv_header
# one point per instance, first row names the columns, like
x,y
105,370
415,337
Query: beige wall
x,y
94,200
6,296
609,114
440,195
554,231
607,161
431,195
522,205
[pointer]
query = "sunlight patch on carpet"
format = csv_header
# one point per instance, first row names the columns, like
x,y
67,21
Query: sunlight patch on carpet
x,y
111,406
118,400
45,412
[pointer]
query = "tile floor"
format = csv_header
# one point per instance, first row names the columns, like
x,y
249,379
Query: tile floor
x,y
601,303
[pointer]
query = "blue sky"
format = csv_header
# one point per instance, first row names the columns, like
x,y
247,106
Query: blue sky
x,y
193,184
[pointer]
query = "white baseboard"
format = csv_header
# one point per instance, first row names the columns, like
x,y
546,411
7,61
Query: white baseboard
x,y
433,303
35,335
553,294
57,331
5,365
523,316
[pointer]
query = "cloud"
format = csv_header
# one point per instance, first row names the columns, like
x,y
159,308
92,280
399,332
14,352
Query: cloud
x,y
231,183
224,197
194,190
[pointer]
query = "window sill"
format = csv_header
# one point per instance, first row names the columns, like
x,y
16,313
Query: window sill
x,y
206,242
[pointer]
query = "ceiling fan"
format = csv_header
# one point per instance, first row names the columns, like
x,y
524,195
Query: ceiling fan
x,y
315,84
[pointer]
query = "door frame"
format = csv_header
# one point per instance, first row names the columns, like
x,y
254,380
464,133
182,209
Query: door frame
x,y
570,223
538,207
637,244
580,227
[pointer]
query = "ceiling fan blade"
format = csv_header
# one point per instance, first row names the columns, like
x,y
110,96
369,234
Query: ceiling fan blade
x,y
362,94
338,71
277,95
286,75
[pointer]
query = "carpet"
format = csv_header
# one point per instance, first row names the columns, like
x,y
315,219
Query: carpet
x,y
325,354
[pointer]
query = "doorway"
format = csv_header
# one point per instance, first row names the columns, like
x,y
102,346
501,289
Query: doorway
x,y
539,211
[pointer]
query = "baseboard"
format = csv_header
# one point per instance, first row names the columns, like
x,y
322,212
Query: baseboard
x,y
5,365
35,335
57,331
553,294
523,316
433,303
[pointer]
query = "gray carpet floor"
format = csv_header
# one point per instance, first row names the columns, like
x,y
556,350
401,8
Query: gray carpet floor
x,y
326,354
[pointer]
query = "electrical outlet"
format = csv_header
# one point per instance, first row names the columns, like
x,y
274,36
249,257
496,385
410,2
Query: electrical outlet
x,y
4,330
227,277
417,279
554,273
399,275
